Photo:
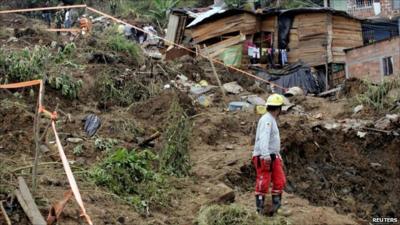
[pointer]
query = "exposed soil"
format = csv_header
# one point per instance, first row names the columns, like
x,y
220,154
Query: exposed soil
x,y
334,177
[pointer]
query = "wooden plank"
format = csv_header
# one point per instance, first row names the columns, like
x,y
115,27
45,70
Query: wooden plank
x,y
28,204
245,23
329,37
172,28
216,49
268,24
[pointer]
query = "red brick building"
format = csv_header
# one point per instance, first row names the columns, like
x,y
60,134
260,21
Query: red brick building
x,y
374,62
369,8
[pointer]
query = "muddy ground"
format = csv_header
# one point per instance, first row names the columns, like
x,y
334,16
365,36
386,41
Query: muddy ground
x,y
334,176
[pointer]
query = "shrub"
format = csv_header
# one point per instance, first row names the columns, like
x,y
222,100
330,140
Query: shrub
x,y
66,84
234,215
105,144
118,43
376,96
130,174
175,158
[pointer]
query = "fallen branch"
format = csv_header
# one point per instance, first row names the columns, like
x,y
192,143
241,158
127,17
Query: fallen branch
x,y
30,166
388,132
3,211
149,139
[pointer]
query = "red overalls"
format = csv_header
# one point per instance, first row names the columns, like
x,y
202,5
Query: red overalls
x,y
265,175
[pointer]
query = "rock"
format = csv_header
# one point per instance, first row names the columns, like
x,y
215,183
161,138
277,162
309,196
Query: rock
x,y
331,126
318,116
232,87
229,147
358,108
394,118
361,134
254,100
143,67
375,165
12,39
44,148
74,140
293,91
223,194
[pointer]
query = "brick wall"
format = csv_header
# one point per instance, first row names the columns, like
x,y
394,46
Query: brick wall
x,y
366,62
368,11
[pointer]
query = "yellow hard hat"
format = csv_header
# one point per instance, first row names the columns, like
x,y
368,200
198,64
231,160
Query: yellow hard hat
x,y
275,100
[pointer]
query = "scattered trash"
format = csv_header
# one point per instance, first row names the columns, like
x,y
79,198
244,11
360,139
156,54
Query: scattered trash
x,y
361,134
240,106
92,123
182,77
198,90
203,83
254,100
74,140
232,87
394,118
53,44
229,147
294,91
331,126
358,108
204,100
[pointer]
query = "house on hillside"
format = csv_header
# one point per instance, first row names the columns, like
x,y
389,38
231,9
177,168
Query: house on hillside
x,y
271,38
375,62
381,18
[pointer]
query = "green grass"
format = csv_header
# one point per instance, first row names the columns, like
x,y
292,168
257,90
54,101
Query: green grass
x,y
174,156
234,214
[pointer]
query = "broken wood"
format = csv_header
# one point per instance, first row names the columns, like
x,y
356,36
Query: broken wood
x,y
149,139
3,211
27,203
215,72
57,209
388,132
329,92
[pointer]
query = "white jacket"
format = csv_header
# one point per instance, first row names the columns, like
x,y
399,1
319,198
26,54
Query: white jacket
x,y
267,137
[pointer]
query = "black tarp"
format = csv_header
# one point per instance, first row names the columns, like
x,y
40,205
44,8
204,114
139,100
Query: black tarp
x,y
284,25
294,75
379,30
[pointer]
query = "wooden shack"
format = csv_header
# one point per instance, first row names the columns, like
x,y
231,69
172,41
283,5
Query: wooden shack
x,y
319,38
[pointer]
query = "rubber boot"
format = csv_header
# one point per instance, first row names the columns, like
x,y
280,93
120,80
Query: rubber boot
x,y
276,204
260,204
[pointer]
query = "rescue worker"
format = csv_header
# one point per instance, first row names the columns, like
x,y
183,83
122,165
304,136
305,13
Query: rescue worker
x,y
59,20
113,6
266,157
85,24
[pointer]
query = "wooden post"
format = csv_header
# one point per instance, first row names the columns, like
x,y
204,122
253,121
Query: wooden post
x,y
28,204
214,71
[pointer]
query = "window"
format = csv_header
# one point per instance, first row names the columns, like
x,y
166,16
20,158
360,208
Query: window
x,y
365,3
396,4
387,66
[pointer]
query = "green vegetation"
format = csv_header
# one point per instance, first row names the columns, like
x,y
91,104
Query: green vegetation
x,y
234,215
160,9
78,150
379,97
66,84
131,175
175,154
114,91
105,144
30,64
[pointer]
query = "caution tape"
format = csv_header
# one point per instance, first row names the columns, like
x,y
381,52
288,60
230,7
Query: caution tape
x,y
142,30
42,9
53,117
187,49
